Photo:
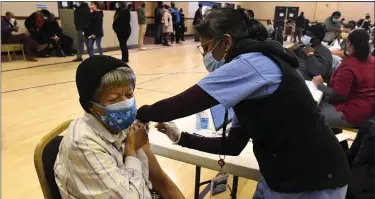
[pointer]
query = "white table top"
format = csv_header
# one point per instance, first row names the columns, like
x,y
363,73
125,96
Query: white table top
x,y
245,165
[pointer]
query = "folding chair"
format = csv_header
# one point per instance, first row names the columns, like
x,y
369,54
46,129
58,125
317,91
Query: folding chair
x,y
12,47
44,159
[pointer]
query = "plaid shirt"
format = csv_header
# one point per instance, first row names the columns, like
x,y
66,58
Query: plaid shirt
x,y
91,164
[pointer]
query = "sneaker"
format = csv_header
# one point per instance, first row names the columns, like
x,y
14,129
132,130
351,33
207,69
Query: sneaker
x,y
166,45
179,42
77,60
142,48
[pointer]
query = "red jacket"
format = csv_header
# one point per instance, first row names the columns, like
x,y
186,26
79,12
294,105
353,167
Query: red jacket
x,y
355,80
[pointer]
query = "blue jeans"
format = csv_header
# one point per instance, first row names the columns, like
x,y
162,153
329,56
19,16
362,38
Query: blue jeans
x,y
98,41
264,192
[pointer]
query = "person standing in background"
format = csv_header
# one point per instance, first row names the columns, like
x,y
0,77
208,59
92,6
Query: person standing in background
x,y
176,23
300,22
198,17
121,26
94,31
365,23
270,27
81,20
182,25
305,27
333,27
142,25
168,25
158,23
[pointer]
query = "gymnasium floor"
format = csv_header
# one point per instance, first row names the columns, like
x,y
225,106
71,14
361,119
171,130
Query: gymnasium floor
x,y
36,97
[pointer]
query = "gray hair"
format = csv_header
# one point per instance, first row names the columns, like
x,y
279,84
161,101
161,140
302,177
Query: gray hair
x,y
119,77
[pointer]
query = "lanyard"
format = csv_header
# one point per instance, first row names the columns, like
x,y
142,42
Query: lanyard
x,y
221,161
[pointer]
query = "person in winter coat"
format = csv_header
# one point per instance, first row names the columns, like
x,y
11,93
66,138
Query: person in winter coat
x,y
94,32
122,28
81,20
167,24
198,17
300,23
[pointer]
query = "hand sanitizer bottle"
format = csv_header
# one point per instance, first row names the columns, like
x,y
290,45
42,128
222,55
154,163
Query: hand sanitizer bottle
x,y
202,120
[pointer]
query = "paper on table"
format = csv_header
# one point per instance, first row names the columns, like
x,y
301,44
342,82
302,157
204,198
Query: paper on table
x,y
317,94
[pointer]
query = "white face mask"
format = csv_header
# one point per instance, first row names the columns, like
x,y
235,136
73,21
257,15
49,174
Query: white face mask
x,y
306,40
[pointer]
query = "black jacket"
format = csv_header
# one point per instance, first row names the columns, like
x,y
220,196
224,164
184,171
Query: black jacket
x,y
295,148
121,21
30,23
197,17
50,29
95,26
361,159
300,21
158,15
82,16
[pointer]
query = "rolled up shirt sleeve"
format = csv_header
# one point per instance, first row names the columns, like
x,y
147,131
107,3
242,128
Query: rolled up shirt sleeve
x,y
97,175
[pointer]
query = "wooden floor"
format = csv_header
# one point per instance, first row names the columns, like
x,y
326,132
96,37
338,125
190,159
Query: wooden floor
x,y
36,97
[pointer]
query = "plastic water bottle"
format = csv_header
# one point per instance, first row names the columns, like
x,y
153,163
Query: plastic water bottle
x,y
202,120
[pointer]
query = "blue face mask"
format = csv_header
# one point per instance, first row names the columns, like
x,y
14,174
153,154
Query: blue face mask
x,y
119,116
211,63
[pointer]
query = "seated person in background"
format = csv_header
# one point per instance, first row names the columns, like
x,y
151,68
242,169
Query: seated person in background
x,y
105,154
34,23
352,90
344,35
313,57
52,31
353,23
8,25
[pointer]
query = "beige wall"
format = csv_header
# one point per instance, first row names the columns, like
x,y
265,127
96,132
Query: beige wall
x,y
25,9
314,11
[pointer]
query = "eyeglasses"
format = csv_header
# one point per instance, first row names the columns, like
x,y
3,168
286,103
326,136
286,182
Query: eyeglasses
x,y
201,49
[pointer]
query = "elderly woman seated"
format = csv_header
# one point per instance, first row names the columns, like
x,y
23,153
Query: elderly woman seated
x,y
105,154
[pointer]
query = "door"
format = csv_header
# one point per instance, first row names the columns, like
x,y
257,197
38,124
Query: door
x,y
292,13
280,16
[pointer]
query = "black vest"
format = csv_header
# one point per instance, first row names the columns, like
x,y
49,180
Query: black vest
x,y
294,146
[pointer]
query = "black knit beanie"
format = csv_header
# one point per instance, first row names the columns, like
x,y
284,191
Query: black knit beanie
x,y
89,74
